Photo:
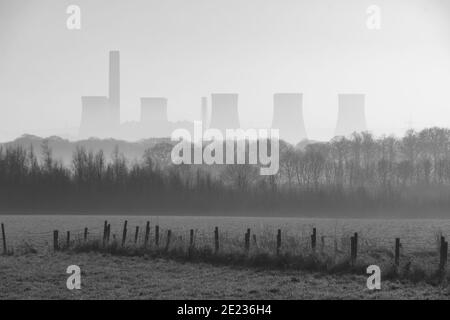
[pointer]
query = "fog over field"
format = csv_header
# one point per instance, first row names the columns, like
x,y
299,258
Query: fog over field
x,y
224,149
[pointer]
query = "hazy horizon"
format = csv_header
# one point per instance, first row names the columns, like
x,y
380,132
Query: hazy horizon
x,y
185,50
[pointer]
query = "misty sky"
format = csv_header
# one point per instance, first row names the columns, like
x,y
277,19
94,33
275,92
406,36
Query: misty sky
x,y
185,49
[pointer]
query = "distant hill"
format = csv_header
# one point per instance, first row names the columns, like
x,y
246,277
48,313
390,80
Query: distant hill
x,y
63,149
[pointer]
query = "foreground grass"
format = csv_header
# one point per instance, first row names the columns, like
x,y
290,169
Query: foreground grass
x,y
109,276
411,270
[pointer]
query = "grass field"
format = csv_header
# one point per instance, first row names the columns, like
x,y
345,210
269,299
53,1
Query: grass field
x,y
321,273
42,276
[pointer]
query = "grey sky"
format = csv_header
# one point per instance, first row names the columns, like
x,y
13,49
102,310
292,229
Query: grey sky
x,y
185,49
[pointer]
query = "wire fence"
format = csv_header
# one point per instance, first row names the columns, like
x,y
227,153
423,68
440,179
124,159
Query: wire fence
x,y
309,240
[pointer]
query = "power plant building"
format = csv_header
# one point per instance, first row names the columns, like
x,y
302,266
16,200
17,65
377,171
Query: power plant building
x,y
154,119
95,117
351,114
114,86
101,115
224,111
288,116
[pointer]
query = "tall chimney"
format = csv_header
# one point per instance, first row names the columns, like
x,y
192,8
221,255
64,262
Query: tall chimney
x,y
114,86
224,111
351,115
288,116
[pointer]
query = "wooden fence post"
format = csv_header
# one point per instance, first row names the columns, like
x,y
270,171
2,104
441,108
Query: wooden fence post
x,y
169,234
354,248
136,235
278,242
147,233
55,240
397,252
191,238
68,239
157,236
322,244
105,231
216,240
4,239
85,234
443,254
254,241
124,233
247,240
108,233
314,240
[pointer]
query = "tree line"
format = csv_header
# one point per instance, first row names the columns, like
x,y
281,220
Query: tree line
x,y
361,175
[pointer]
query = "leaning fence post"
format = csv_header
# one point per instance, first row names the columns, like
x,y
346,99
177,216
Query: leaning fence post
x,y
169,234
157,236
314,239
397,252
216,239
55,240
4,239
124,233
278,241
147,233
136,234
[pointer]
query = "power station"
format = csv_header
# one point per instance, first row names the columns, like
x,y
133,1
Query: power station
x,y
224,111
288,116
154,120
101,114
114,87
351,114
95,117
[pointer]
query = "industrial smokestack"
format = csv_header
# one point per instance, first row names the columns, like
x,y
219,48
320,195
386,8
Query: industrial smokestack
x,y
224,111
288,116
204,113
95,117
154,117
351,115
114,86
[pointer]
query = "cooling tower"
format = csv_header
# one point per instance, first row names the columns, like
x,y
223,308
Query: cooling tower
x,y
351,115
114,86
224,111
204,113
288,116
154,117
95,117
